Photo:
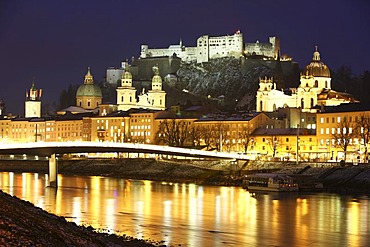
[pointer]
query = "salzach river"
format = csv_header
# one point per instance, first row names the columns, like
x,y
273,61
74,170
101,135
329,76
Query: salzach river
x,y
193,215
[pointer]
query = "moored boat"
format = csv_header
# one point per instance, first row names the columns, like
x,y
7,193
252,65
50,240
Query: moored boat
x,y
269,182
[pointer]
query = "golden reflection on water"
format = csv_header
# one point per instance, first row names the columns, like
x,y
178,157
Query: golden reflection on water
x,y
193,215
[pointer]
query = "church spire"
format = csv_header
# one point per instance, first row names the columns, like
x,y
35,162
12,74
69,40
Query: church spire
x,y
88,77
316,55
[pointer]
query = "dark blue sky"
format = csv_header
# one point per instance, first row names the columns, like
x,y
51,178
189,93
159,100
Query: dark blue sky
x,y
55,41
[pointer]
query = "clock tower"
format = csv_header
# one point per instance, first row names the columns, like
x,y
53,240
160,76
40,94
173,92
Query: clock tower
x,y
33,102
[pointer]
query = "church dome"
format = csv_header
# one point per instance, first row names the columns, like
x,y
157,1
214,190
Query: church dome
x,y
316,68
127,75
89,89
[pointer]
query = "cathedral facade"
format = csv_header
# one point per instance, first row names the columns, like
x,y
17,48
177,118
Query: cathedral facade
x,y
314,90
154,99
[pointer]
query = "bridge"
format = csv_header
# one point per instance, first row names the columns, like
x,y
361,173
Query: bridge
x,y
52,149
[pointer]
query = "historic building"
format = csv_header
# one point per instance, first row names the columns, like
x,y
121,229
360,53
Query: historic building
x,y
208,47
89,95
33,102
266,50
314,90
154,99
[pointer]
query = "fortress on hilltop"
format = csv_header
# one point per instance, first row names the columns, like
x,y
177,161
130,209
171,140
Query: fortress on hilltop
x,y
212,47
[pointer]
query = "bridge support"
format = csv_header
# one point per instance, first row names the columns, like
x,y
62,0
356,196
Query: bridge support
x,y
53,171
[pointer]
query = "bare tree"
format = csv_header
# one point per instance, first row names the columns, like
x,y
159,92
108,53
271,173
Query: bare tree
x,y
344,135
273,142
173,132
219,135
363,132
206,135
245,134
166,132
195,134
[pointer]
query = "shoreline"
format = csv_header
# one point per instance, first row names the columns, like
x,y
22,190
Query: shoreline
x,y
22,223
335,178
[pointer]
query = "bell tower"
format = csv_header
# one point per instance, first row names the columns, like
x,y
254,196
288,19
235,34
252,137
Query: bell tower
x,y
156,96
33,102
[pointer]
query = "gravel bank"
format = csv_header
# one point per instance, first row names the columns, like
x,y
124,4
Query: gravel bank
x,y
23,224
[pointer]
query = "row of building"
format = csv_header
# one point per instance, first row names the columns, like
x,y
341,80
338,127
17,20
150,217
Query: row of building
x,y
287,124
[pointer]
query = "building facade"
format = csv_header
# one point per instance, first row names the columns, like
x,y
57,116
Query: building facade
x,y
314,90
154,99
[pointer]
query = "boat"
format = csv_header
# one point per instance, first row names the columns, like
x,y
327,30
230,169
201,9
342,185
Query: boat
x,y
276,182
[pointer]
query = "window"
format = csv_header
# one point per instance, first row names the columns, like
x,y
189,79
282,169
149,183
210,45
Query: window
x,y
287,139
322,120
338,119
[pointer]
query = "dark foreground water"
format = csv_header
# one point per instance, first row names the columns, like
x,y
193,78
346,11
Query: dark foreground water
x,y
193,215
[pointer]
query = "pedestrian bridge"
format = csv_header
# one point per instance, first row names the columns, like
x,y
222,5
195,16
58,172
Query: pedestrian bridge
x,y
52,149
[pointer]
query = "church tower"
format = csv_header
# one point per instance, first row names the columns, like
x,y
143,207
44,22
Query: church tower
x,y
89,95
156,96
126,93
33,102
315,79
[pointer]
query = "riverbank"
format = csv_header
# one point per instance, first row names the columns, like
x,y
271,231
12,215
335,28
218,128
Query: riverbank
x,y
334,176
23,224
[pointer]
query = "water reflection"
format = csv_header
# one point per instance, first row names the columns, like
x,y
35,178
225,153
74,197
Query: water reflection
x,y
193,215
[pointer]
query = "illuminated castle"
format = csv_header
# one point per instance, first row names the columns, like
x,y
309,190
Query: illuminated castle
x,y
207,48
314,90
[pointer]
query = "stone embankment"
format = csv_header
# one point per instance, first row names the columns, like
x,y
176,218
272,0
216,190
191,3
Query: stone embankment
x,y
335,177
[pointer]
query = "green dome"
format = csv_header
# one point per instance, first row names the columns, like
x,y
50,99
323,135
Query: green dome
x,y
157,79
90,90
126,75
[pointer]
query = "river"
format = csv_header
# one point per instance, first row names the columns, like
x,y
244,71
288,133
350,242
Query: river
x,y
194,215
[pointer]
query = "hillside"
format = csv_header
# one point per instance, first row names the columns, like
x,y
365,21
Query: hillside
x,y
223,79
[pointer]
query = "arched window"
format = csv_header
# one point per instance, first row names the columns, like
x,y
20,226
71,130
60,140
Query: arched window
x,y
122,99
261,104
302,103
312,102
274,107
316,83
130,99
326,84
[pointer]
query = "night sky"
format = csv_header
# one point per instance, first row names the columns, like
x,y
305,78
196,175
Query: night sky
x,y
53,42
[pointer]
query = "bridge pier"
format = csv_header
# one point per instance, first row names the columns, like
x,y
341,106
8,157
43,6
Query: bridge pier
x,y
53,171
